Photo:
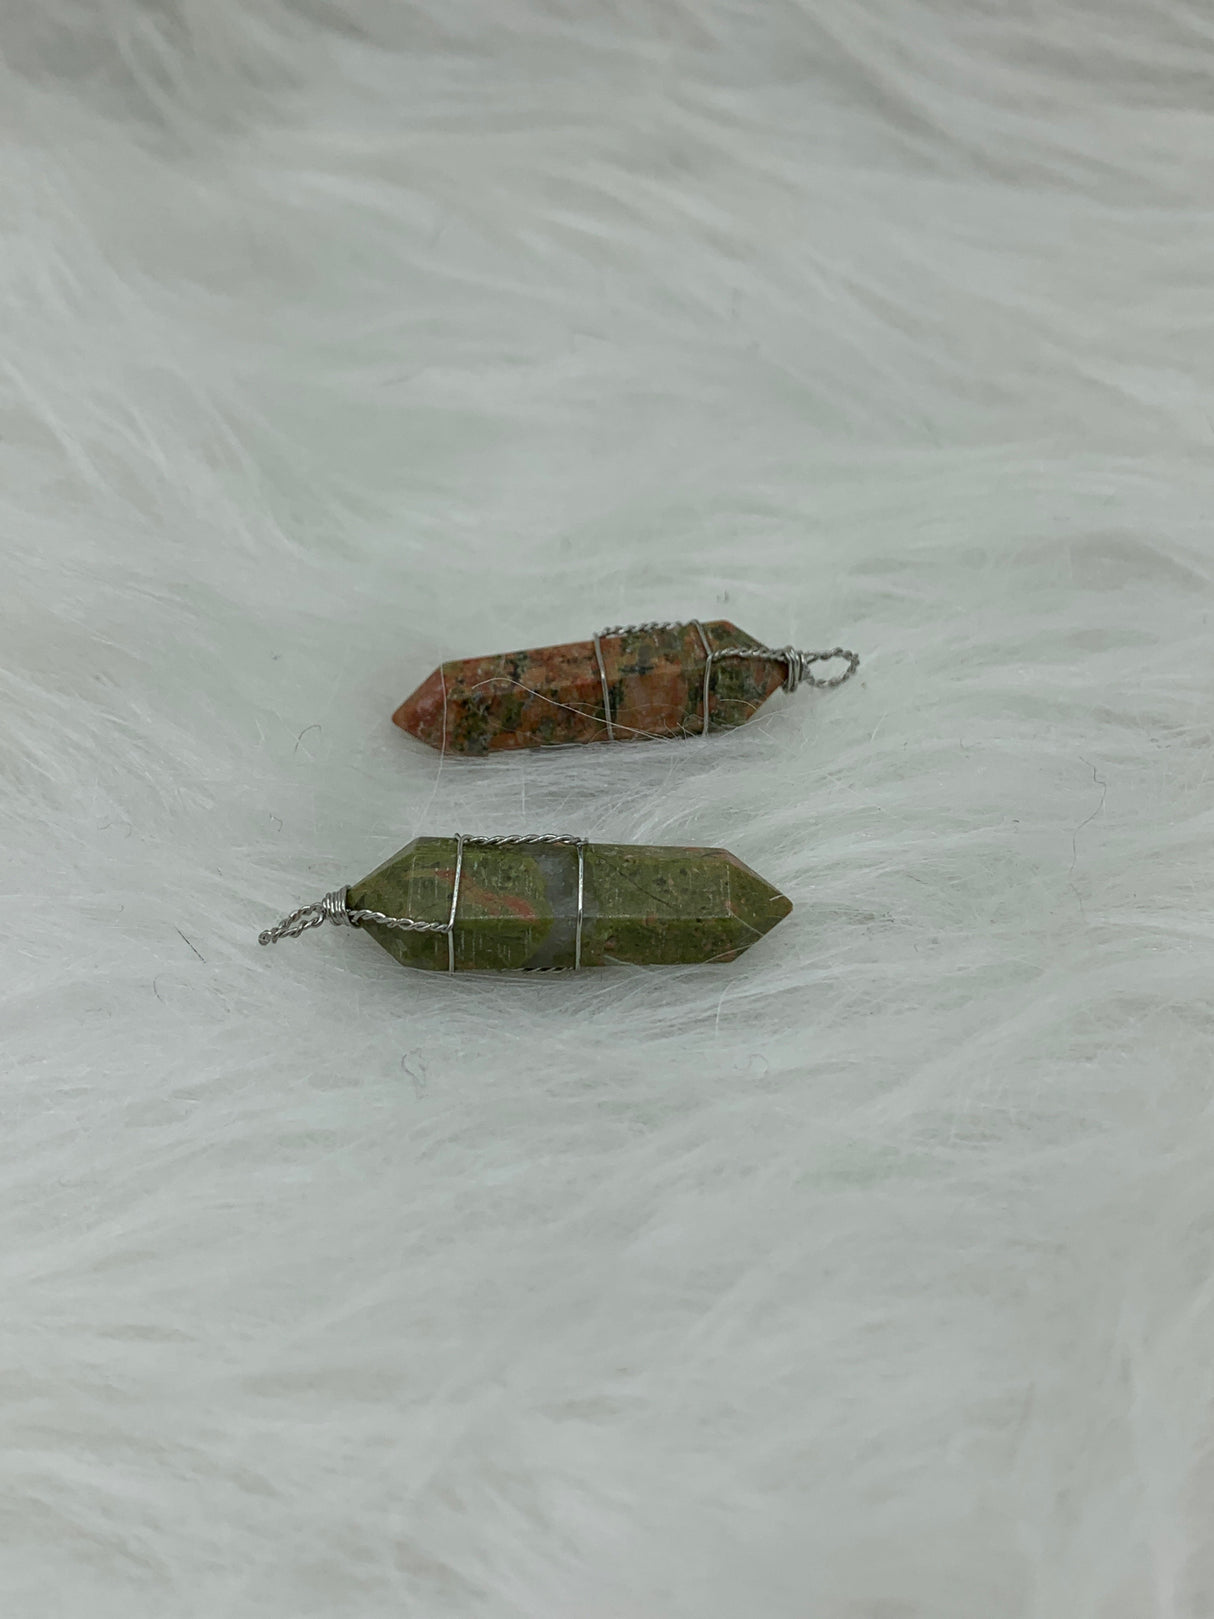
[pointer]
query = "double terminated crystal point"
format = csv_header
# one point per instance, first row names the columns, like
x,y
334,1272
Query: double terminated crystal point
x,y
643,681
538,904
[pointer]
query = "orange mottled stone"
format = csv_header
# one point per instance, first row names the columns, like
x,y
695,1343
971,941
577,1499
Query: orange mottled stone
x,y
553,695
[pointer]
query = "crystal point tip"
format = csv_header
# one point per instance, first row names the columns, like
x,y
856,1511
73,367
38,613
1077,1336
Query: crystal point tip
x,y
421,714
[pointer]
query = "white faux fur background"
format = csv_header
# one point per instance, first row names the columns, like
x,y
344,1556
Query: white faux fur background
x,y
869,1278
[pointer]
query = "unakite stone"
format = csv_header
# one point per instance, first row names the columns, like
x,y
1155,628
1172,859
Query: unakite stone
x,y
518,905
554,694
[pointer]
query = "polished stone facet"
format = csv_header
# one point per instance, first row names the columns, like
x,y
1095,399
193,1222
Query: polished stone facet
x,y
654,679
518,904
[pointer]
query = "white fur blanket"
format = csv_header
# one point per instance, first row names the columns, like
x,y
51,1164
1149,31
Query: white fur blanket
x,y
868,1278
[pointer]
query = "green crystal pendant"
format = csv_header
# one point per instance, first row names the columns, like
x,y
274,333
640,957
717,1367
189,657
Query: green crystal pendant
x,y
541,904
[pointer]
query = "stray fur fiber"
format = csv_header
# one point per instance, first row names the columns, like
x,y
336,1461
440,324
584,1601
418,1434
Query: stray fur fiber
x,y
868,1278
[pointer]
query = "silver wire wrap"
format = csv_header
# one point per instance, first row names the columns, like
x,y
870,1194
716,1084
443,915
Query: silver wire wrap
x,y
334,908
796,664
330,909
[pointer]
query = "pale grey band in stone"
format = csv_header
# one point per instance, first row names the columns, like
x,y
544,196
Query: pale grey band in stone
x,y
796,664
333,907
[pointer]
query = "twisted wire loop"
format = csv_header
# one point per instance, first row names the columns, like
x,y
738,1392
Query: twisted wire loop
x,y
796,664
334,907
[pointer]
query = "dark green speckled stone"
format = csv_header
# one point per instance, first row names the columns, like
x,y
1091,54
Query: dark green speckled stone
x,y
518,905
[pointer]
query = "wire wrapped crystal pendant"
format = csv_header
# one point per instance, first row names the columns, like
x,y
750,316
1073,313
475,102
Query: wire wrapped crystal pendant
x,y
627,684
540,904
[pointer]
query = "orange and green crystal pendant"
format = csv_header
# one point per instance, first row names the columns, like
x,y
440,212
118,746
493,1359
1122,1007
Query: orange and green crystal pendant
x,y
540,904
631,683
